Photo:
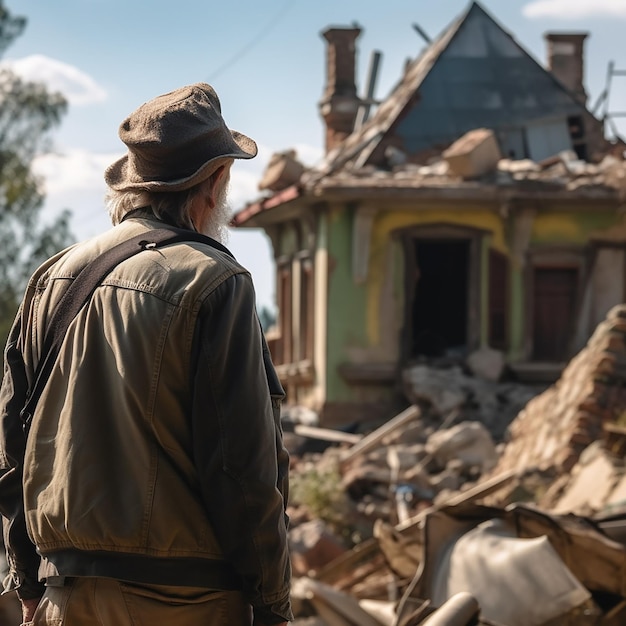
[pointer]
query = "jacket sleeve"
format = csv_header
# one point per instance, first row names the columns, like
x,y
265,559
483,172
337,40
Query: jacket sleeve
x,y
277,396
22,557
241,461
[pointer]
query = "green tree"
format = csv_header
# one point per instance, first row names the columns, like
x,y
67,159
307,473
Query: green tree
x,y
28,111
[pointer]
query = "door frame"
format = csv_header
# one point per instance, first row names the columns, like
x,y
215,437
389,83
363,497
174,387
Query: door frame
x,y
475,237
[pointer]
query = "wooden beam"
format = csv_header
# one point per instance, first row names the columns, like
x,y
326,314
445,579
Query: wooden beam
x,y
326,434
373,439
478,491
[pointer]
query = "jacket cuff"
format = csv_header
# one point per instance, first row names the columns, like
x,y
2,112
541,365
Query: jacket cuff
x,y
26,589
274,613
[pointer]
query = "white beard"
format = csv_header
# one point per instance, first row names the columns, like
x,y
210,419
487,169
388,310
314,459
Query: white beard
x,y
216,224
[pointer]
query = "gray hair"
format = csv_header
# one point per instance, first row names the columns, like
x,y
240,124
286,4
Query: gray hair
x,y
173,207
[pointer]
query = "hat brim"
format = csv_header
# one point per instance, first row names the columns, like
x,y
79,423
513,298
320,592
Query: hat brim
x,y
121,176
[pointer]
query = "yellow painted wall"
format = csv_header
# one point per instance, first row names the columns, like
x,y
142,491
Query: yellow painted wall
x,y
389,221
570,228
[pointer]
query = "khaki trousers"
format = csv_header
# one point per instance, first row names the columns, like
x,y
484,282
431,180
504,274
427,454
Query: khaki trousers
x,y
107,602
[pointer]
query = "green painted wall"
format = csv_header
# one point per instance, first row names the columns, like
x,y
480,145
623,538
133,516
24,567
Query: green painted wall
x,y
346,304
288,240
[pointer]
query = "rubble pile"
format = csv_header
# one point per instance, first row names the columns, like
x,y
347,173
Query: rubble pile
x,y
475,397
476,482
393,473
588,403
475,159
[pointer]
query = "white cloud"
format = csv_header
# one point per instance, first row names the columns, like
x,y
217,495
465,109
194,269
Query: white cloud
x,y
74,179
72,169
308,155
575,9
79,88
244,182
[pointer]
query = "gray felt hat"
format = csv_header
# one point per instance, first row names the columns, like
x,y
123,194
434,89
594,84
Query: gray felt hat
x,y
176,141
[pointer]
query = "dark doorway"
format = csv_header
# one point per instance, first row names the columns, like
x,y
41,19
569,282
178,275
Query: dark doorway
x,y
440,298
554,305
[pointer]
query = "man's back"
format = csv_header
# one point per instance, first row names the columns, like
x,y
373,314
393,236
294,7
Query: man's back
x,y
155,452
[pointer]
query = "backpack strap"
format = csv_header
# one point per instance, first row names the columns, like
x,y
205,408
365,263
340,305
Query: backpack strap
x,y
81,290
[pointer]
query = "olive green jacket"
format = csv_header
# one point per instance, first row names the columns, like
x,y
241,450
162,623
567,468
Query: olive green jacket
x,y
155,453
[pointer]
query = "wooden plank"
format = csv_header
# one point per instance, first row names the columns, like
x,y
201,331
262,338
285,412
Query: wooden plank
x,y
479,491
326,434
348,562
372,440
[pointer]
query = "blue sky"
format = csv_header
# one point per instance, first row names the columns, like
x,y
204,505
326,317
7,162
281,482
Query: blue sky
x,y
265,58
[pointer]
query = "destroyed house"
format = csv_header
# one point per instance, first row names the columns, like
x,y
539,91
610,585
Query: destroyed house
x,y
475,210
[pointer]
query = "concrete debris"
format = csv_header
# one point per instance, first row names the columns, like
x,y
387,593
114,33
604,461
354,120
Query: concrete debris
x,y
282,170
589,485
451,389
298,414
482,496
313,545
518,167
467,443
487,363
476,153
441,388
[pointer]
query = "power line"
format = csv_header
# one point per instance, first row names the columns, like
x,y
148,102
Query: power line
x,y
253,42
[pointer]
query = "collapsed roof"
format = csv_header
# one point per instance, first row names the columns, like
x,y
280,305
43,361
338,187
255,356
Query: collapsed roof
x,y
475,75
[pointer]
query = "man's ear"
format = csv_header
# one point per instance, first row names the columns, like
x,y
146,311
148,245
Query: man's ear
x,y
216,177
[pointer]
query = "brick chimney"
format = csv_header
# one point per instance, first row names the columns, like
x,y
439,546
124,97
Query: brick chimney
x,y
566,59
340,103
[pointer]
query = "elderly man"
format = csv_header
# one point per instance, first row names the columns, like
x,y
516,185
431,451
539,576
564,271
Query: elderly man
x,y
151,488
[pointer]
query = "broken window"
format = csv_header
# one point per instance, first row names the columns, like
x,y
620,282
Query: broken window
x,y
576,127
545,138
